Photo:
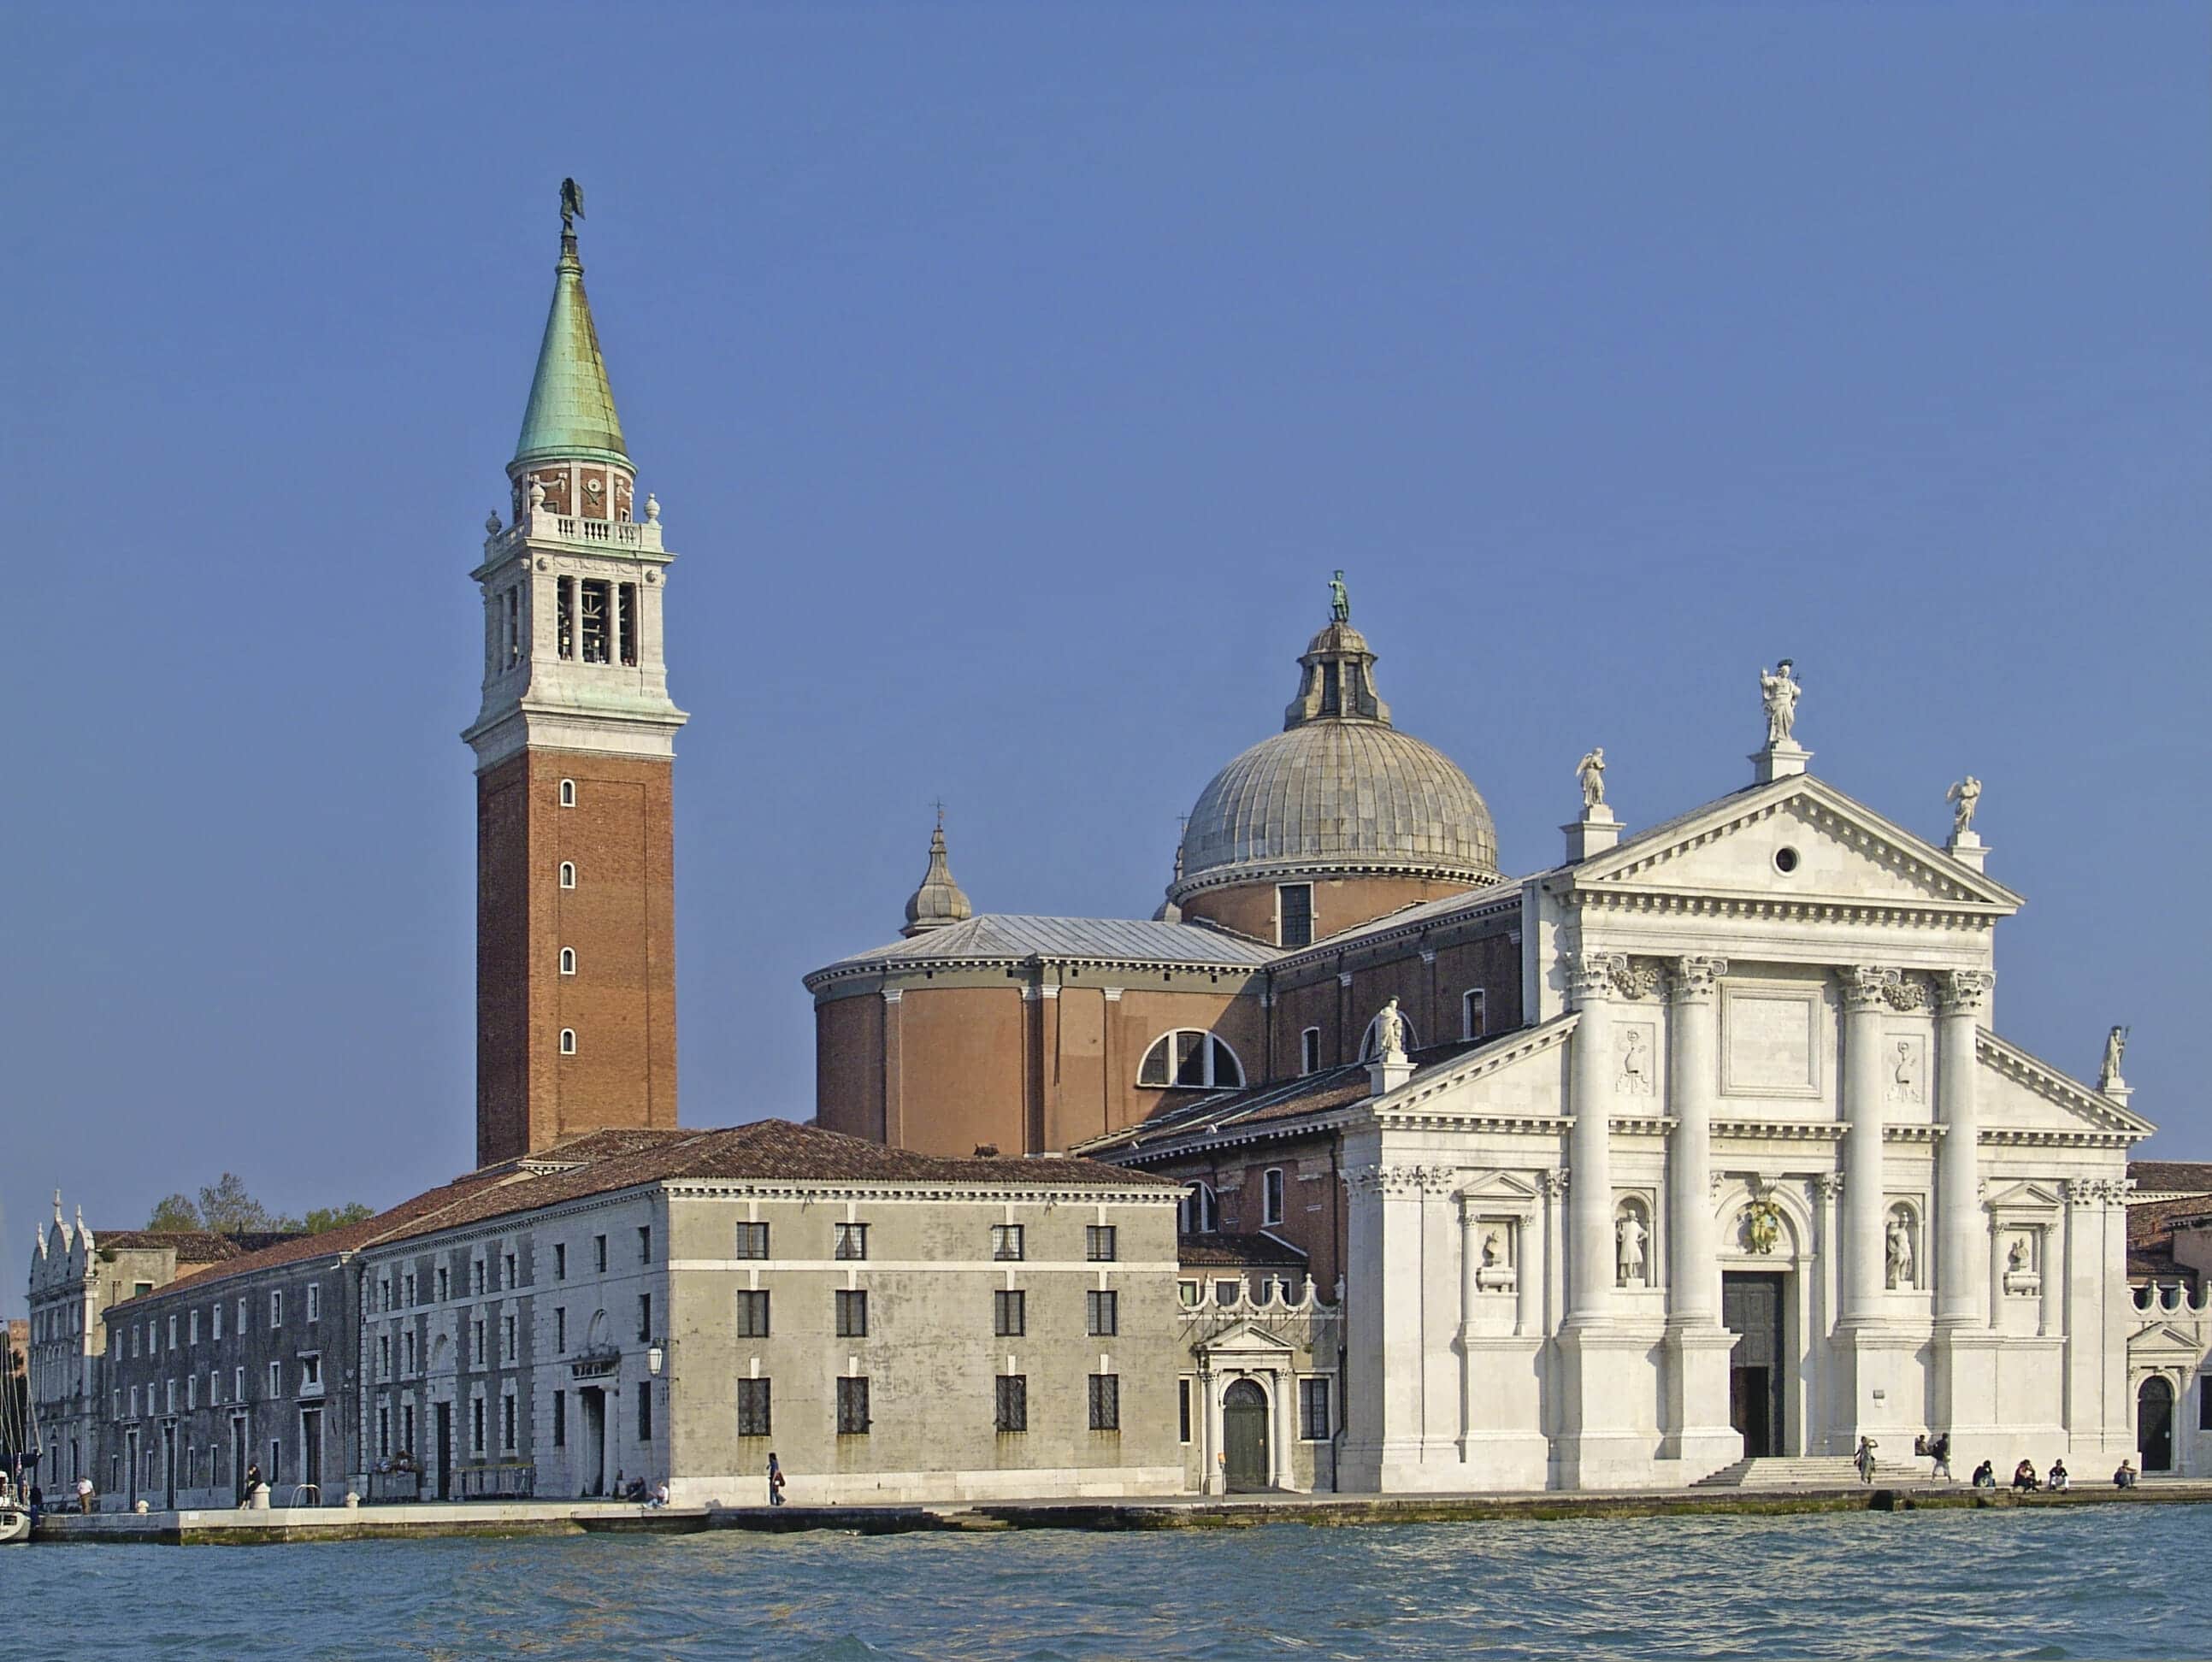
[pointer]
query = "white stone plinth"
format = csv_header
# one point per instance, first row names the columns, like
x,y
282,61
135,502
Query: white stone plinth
x,y
1386,1073
1968,850
1595,832
1779,761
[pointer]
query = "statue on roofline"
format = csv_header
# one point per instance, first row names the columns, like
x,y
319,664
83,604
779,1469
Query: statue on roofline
x,y
1778,692
1340,602
2115,1045
1590,770
1965,796
572,206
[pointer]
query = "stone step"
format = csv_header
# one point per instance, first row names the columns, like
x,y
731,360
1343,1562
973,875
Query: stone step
x,y
1807,1471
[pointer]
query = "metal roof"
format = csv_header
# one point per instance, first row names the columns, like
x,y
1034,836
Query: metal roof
x,y
571,414
1000,937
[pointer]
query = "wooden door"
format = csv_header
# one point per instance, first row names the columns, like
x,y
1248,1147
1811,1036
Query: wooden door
x,y
2154,1424
1244,1436
1751,1309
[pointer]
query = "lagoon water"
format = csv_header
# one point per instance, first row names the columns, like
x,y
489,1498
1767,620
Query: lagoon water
x,y
2091,1581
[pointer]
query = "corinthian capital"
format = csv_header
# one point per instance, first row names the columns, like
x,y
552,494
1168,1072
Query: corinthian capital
x,y
1592,976
1696,981
1964,992
1869,987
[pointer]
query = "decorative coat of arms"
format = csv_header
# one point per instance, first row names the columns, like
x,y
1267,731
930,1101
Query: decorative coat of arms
x,y
1762,1225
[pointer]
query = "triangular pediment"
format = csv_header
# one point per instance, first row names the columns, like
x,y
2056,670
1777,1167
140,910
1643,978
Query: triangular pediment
x,y
2025,1198
1837,852
2162,1340
1246,1338
2023,1094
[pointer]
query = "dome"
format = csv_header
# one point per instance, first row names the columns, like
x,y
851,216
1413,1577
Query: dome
x,y
1339,795
1339,789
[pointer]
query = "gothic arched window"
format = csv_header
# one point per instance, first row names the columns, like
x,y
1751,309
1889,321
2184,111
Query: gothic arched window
x,y
1190,1059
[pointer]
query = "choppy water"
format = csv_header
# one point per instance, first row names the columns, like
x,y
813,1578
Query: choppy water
x,y
2102,1581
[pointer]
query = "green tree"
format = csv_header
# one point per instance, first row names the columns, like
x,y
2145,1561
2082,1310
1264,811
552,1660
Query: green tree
x,y
321,1220
174,1211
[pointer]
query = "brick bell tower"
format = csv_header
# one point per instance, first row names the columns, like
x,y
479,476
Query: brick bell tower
x,y
575,881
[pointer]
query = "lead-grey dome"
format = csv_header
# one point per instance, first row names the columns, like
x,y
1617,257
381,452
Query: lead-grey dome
x,y
1340,789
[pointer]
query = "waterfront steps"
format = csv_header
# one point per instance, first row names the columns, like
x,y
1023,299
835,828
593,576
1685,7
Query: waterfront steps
x,y
1813,1472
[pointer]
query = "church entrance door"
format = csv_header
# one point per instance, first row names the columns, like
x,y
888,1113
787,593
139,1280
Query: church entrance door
x,y
441,1440
1244,1436
1751,1309
594,1402
2154,1424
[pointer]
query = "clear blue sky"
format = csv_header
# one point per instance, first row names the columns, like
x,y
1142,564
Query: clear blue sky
x,y
1012,377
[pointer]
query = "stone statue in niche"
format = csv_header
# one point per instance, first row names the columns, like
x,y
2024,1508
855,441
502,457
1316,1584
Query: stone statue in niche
x,y
1390,1034
1762,1226
1897,1251
2115,1045
1779,692
1635,1051
1964,798
1491,1250
2016,1256
1591,771
1629,1235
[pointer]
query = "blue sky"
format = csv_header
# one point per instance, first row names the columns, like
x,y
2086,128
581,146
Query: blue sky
x,y
1012,379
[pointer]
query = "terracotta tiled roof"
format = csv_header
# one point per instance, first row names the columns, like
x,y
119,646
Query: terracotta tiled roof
x,y
191,1245
1263,1107
2171,1176
1232,1251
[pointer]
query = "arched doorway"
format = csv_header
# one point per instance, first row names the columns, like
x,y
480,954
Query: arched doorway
x,y
1244,1436
2154,1424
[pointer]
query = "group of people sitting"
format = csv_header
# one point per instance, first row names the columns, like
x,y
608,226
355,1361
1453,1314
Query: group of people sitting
x,y
2024,1479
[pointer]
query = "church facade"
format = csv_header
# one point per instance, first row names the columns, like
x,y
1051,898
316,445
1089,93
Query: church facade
x,y
1696,1147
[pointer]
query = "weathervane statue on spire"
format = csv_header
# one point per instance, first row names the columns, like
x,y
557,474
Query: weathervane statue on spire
x,y
1340,602
572,206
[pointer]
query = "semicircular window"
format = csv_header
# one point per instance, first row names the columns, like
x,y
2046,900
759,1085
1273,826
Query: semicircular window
x,y
1191,1059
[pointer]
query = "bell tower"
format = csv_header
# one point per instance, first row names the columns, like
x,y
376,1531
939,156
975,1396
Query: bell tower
x,y
575,881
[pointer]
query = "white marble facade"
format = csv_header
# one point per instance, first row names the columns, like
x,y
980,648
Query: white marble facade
x,y
1760,1066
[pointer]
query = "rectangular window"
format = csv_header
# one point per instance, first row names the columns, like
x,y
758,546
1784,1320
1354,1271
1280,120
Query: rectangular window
x,y
644,1317
1103,1312
475,1426
1309,1051
193,1328
559,1419
1295,902
1225,1292
506,1424
1098,1246
852,1407
644,1243
752,1408
506,1348
314,1302
445,1283
238,1385
384,1431
1475,1013
1313,1411
409,1336
1011,1403
476,1278
1006,1242
852,1240
560,1260
852,1315
1271,1196
565,615
560,1331
311,1372
215,1320
410,1294
752,1315
1006,1314
1105,1402
173,1331
626,614
1183,1410
276,1306
275,1463
592,597
508,1276
752,1240
134,1402
407,1427
383,1355
276,1379
600,1253
2205,1403
511,629
644,1412
169,1396
476,1343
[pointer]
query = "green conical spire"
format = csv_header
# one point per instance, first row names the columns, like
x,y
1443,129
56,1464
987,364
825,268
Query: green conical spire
x,y
571,411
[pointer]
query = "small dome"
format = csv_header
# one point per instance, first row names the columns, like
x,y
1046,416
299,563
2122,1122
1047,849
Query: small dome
x,y
939,901
1338,789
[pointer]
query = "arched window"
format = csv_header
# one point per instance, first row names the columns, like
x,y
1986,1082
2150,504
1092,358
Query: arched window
x,y
568,1042
567,793
568,960
567,874
1189,1059
1200,1212
1368,1049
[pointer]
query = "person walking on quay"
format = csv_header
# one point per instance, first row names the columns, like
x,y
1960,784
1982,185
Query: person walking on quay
x,y
1939,1451
84,1496
775,1482
1863,1459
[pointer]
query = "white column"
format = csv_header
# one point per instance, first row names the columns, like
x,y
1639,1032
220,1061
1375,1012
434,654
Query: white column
x,y
1285,1421
1962,1297
1589,1146
1470,1261
1865,989
1692,1284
